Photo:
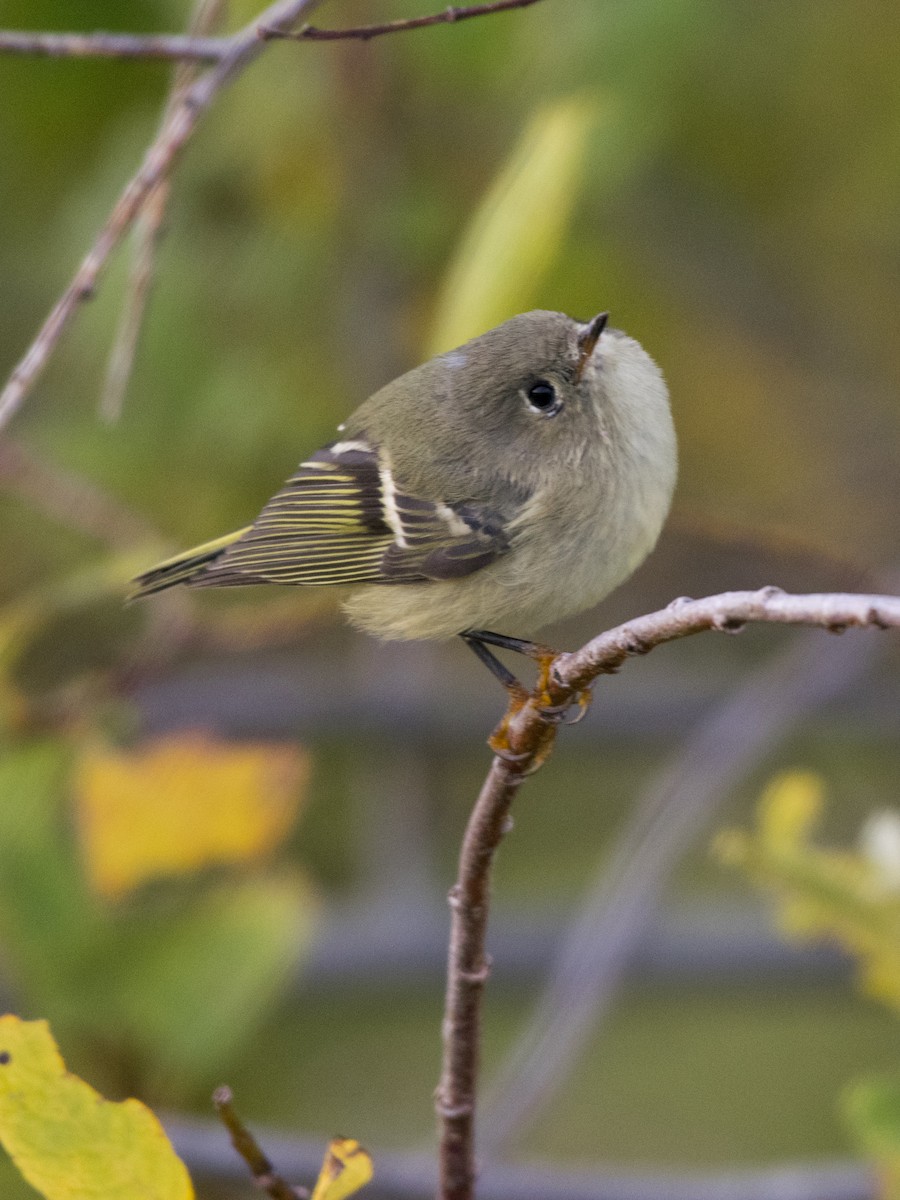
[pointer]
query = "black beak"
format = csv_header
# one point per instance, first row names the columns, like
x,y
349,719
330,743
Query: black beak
x,y
588,340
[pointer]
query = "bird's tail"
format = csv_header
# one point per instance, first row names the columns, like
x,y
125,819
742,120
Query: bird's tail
x,y
188,567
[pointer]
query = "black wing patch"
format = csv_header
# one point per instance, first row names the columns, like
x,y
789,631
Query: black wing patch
x,y
340,519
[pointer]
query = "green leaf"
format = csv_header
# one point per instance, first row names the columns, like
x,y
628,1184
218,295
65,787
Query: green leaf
x,y
48,920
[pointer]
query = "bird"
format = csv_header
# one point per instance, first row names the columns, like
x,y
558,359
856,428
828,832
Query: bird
x,y
512,481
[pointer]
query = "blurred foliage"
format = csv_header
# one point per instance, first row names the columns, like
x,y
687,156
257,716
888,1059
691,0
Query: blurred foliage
x,y
517,232
141,979
872,1109
180,804
68,1141
853,897
826,893
722,177
726,211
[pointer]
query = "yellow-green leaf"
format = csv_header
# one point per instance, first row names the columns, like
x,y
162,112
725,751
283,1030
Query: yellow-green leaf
x,y
67,1140
517,230
822,892
182,803
789,807
347,1168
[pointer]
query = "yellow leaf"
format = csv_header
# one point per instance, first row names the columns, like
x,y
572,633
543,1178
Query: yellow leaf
x,y
182,803
516,233
789,807
347,1168
67,1140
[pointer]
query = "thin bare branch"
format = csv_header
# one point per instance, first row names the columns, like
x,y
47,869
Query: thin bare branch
x,y
725,613
148,234
363,33
527,741
265,1177
115,45
467,972
160,158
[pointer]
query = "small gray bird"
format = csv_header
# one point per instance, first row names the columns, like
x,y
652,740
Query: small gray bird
x,y
510,482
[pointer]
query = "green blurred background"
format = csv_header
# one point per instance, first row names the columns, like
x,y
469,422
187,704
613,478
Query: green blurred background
x,y
725,179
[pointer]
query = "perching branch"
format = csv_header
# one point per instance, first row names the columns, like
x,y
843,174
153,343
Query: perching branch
x,y
362,33
242,48
527,742
678,801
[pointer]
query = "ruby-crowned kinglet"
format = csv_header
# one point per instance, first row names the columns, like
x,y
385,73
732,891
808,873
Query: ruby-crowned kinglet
x,y
510,482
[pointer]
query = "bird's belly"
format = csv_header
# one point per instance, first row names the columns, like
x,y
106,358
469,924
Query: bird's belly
x,y
539,581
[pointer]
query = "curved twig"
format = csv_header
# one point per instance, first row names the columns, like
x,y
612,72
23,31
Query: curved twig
x,y
528,741
363,33
675,806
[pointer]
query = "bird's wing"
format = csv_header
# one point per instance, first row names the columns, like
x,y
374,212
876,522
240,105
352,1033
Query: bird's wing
x,y
342,519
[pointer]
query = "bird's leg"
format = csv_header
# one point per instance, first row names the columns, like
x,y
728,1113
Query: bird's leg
x,y
543,655
516,690
476,642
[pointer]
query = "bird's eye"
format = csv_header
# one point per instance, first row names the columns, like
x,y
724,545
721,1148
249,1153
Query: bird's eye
x,y
542,398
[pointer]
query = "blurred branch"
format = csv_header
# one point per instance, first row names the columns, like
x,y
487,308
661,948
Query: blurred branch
x,y
148,232
71,500
242,48
524,744
362,33
115,45
265,1177
605,934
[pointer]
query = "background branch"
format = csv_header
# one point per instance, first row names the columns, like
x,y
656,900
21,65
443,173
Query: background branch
x,y
362,33
71,500
265,1177
148,234
529,736
160,158
115,45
